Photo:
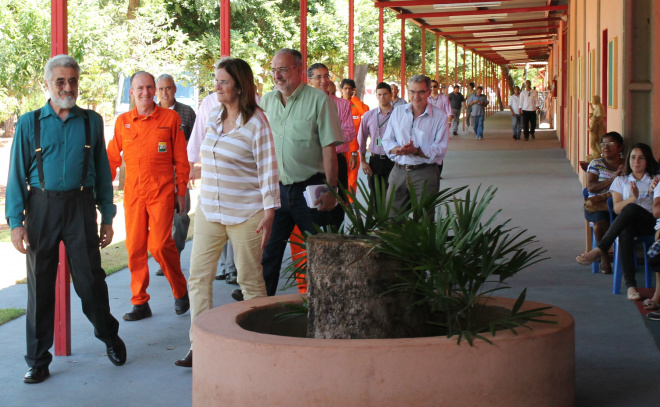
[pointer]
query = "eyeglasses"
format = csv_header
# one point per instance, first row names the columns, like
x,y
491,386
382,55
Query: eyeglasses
x,y
61,82
282,70
318,77
417,92
608,144
221,83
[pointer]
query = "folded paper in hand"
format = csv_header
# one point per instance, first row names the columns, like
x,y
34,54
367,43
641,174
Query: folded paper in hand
x,y
312,193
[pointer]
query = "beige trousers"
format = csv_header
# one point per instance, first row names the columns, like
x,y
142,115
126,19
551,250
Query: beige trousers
x,y
209,238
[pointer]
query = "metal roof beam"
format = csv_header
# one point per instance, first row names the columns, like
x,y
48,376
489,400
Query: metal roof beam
x,y
483,12
495,30
412,3
469,24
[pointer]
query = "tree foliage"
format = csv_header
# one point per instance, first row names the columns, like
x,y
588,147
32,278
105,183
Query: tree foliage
x,y
182,36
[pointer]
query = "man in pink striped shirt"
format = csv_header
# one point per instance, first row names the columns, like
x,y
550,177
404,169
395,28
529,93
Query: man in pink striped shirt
x,y
319,78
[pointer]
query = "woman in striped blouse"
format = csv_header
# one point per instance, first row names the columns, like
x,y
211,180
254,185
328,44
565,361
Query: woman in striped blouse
x,y
239,191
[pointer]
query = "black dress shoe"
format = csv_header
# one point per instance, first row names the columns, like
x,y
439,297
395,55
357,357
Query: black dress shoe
x,y
36,374
139,311
182,304
222,276
117,351
237,294
186,361
232,278
159,272
533,136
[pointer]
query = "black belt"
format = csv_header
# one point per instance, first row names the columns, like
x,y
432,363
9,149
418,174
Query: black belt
x,y
61,194
315,179
409,167
381,156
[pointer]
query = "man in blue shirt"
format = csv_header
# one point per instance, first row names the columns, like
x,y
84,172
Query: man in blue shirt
x,y
59,174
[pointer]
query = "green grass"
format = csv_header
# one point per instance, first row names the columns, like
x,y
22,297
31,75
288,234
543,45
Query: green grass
x,y
7,314
5,236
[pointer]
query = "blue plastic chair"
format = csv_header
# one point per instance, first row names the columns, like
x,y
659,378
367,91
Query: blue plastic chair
x,y
596,265
646,240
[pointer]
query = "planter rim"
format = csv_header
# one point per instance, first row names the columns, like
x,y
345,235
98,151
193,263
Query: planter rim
x,y
222,322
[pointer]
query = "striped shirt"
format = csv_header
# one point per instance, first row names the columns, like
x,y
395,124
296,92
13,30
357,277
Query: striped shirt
x,y
346,119
239,169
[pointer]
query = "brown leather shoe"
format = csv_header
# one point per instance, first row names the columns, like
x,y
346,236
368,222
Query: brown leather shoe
x,y
186,361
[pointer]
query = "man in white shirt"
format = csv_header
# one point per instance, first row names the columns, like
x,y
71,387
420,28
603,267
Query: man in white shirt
x,y
416,140
514,106
529,107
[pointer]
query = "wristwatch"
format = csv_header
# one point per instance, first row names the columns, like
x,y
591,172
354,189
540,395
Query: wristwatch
x,y
354,154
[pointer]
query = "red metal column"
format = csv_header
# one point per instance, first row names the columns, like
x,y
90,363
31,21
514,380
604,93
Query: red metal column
x,y
455,63
303,37
62,332
423,51
403,58
381,57
437,57
351,39
225,24
446,62
464,92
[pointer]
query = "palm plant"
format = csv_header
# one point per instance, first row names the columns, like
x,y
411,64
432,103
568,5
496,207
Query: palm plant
x,y
451,265
456,263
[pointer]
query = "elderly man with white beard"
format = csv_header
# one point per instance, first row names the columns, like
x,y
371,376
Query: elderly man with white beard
x,y
58,176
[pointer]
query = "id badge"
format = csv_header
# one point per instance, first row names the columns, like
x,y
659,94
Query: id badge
x,y
162,146
379,142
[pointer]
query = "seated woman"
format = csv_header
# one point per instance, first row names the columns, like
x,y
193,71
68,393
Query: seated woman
x,y
600,175
240,190
632,195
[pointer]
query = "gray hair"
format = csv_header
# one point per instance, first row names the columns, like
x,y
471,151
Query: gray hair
x,y
297,56
63,61
420,78
313,67
165,77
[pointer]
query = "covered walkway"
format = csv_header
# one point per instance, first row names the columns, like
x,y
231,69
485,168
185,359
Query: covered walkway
x,y
617,361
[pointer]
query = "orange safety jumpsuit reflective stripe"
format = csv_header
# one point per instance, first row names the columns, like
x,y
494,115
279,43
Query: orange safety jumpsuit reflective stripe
x,y
154,149
358,109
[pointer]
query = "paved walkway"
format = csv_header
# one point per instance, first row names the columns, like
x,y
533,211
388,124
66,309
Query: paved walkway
x,y
617,362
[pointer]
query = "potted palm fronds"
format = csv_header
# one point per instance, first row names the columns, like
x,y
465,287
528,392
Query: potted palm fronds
x,y
377,281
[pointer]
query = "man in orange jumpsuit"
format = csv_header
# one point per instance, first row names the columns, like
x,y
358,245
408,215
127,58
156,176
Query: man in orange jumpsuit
x,y
358,109
154,148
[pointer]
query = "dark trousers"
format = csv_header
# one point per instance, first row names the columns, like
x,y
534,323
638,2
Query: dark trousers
x,y
381,166
293,212
632,221
69,217
528,122
336,216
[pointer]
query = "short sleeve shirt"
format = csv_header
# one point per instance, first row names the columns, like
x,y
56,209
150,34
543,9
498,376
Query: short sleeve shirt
x,y
301,129
599,168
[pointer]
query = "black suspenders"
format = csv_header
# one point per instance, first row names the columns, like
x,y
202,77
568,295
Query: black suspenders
x,y
37,150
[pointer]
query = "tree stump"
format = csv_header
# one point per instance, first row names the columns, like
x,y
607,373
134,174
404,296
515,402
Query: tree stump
x,y
346,286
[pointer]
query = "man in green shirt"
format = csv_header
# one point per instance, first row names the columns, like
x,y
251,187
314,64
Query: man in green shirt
x,y
59,174
306,130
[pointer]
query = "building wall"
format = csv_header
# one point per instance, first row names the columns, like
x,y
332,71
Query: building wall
x,y
585,72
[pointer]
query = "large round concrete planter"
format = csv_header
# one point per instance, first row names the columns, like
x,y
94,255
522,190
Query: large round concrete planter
x,y
239,367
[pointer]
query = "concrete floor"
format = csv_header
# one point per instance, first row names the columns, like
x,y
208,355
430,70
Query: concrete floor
x,y
617,362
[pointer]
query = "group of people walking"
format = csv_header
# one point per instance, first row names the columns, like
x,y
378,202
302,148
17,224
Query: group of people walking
x,y
258,157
